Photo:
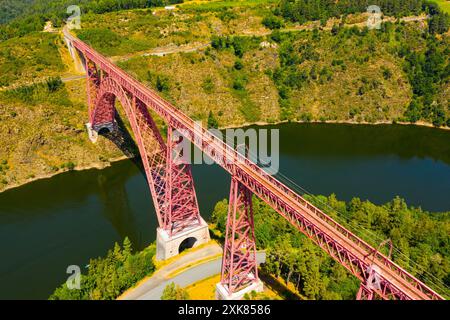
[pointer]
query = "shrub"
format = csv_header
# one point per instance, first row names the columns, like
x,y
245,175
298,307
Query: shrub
x,y
208,85
212,121
272,22
238,84
53,84
387,73
238,65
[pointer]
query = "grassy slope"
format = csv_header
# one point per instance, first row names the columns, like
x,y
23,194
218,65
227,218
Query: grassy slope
x,y
39,138
444,4
49,132
32,56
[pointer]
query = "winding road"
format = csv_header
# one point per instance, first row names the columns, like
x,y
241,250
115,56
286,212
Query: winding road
x,y
209,264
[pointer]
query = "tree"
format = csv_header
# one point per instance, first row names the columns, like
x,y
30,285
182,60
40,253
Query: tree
x,y
212,121
219,215
174,292
439,23
412,114
272,22
127,248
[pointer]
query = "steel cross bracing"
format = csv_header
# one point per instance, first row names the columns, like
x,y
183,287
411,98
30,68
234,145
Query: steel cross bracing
x,y
349,250
239,268
170,182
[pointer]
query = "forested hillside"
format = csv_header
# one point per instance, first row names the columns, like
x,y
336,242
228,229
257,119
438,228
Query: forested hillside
x,y
421,243
243,62
10,9
30,15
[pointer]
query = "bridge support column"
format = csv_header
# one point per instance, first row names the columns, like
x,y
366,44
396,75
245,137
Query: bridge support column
x,y
168,246
239,265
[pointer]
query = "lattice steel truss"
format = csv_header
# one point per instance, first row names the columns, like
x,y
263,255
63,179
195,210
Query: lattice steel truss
x,y
239,267
170,181
174,197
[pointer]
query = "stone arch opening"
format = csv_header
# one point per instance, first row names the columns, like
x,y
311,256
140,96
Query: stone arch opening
x,y
104,131
187,244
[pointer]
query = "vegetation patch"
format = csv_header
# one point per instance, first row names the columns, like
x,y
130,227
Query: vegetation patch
x,y
24,59
108,277
420,240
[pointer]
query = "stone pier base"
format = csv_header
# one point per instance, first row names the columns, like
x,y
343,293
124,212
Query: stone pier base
x,y
222,291
169,246
93,135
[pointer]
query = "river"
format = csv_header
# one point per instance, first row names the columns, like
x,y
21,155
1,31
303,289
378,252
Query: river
x,y
50,224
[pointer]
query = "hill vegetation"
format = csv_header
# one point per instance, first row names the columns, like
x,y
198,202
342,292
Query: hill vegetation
x,y
244,62
108,277
248,61
30,57
421,241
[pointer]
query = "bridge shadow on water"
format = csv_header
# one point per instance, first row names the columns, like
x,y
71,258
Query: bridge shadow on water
x,y
125,142
112,190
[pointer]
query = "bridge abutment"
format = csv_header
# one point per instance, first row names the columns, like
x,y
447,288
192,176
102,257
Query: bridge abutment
x,y
93,131
169,246
93,135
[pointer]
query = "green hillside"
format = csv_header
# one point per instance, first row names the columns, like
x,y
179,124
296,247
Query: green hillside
x,y
232,62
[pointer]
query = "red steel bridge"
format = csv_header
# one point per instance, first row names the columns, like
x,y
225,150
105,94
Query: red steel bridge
x,y
172,188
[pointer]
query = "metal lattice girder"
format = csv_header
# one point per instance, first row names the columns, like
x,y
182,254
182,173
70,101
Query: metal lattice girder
x,y
92,85
239,267
364,293
182,210
170,183
340,243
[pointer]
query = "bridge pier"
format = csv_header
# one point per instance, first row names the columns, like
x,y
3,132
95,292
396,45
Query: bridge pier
x,y
222,292
239,264
168,246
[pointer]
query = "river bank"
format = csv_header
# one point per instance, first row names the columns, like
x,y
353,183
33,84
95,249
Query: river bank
x,y
105,164
262,123
100,165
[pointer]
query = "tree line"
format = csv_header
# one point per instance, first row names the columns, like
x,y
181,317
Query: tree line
x,y
108,277
306,10
20,18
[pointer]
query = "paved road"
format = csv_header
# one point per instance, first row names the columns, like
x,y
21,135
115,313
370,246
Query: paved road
x,y
153,288
73,77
